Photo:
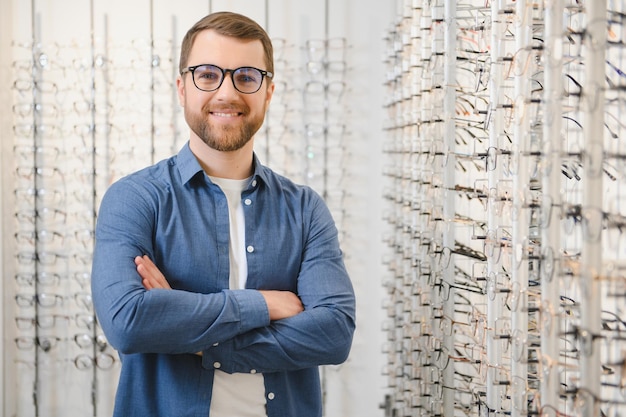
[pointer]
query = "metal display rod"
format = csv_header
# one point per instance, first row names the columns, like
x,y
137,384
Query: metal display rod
x,y
551,185
594,54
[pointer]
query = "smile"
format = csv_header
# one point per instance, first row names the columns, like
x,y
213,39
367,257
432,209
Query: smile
x,y
220,114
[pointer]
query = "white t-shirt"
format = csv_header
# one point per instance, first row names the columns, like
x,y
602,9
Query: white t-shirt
x,y
239,394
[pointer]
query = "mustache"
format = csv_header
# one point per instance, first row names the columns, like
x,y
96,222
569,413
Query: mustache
x,y
212,108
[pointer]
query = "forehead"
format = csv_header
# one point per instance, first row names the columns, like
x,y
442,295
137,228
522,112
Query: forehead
x,y
210,47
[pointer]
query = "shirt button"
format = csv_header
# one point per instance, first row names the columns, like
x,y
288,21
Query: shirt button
x,y
253,371
217,365
215,344
250,249
254,183
247,201
270,396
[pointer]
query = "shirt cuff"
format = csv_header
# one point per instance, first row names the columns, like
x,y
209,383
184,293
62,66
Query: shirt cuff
x,y
253,314
253,310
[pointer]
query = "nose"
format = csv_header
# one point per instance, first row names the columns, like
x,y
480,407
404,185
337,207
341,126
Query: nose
x,y
228,85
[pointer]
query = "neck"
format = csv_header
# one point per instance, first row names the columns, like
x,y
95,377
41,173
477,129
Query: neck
x,y
236,165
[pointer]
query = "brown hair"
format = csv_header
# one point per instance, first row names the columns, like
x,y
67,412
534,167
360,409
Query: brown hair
x,y
228,24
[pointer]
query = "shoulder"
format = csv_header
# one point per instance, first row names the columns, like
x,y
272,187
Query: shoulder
x,y
143,187
159,176
279,185
282,195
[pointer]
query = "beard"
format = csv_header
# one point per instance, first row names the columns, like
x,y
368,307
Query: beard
x,y
223,138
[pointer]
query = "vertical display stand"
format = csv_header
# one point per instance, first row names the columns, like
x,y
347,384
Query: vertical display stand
x,y
504,119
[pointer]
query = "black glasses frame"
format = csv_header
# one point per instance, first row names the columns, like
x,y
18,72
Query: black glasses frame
x,y
224,71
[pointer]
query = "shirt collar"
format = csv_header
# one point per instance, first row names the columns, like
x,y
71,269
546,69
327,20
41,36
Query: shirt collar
x,y
189,167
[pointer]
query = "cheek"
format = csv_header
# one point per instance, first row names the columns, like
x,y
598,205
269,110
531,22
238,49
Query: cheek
x,y
193,102
260,105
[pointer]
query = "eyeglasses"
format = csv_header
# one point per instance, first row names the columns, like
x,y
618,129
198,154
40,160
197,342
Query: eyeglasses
x,y
103,361
246,80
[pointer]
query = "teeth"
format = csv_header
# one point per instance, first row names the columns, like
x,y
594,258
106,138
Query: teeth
x,y
225,114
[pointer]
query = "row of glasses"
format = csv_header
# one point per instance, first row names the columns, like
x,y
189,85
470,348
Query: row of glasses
x,y
325,128
472,216
71,140
278,144
38,189
303,135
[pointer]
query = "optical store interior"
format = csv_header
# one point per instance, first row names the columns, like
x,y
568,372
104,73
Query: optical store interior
x,y
471,153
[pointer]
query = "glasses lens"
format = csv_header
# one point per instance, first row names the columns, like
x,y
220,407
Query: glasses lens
x,y
207,77
247,79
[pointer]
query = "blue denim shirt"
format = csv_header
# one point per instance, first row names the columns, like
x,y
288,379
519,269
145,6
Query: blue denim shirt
x,y
172,212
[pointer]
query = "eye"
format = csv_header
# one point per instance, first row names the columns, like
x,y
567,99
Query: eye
x,y
248,76
208,73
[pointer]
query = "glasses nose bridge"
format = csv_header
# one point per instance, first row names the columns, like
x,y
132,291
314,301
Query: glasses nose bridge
x,y
232,78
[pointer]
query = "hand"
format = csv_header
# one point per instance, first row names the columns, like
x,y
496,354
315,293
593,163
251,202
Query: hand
x,y
282,304
151,277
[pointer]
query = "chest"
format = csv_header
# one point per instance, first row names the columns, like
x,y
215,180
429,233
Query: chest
x,y
192,236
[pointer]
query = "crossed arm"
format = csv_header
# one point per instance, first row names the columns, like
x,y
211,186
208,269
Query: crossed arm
x,y
280,304
242,329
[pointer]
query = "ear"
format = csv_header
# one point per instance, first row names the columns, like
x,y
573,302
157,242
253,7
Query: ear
x,y
269,93
180,89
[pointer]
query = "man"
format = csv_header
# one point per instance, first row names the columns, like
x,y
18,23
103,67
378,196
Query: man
x,y
220,283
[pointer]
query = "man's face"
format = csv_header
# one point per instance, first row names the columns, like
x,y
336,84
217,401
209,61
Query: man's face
x,y
224,119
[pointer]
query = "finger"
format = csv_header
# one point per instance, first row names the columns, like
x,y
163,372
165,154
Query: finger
x,y
148,264
150,283
146,267
153,271
147,284
142,270
147,278
149,271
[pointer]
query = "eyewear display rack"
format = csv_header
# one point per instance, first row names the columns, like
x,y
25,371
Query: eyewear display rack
x,y
505,209
85,113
